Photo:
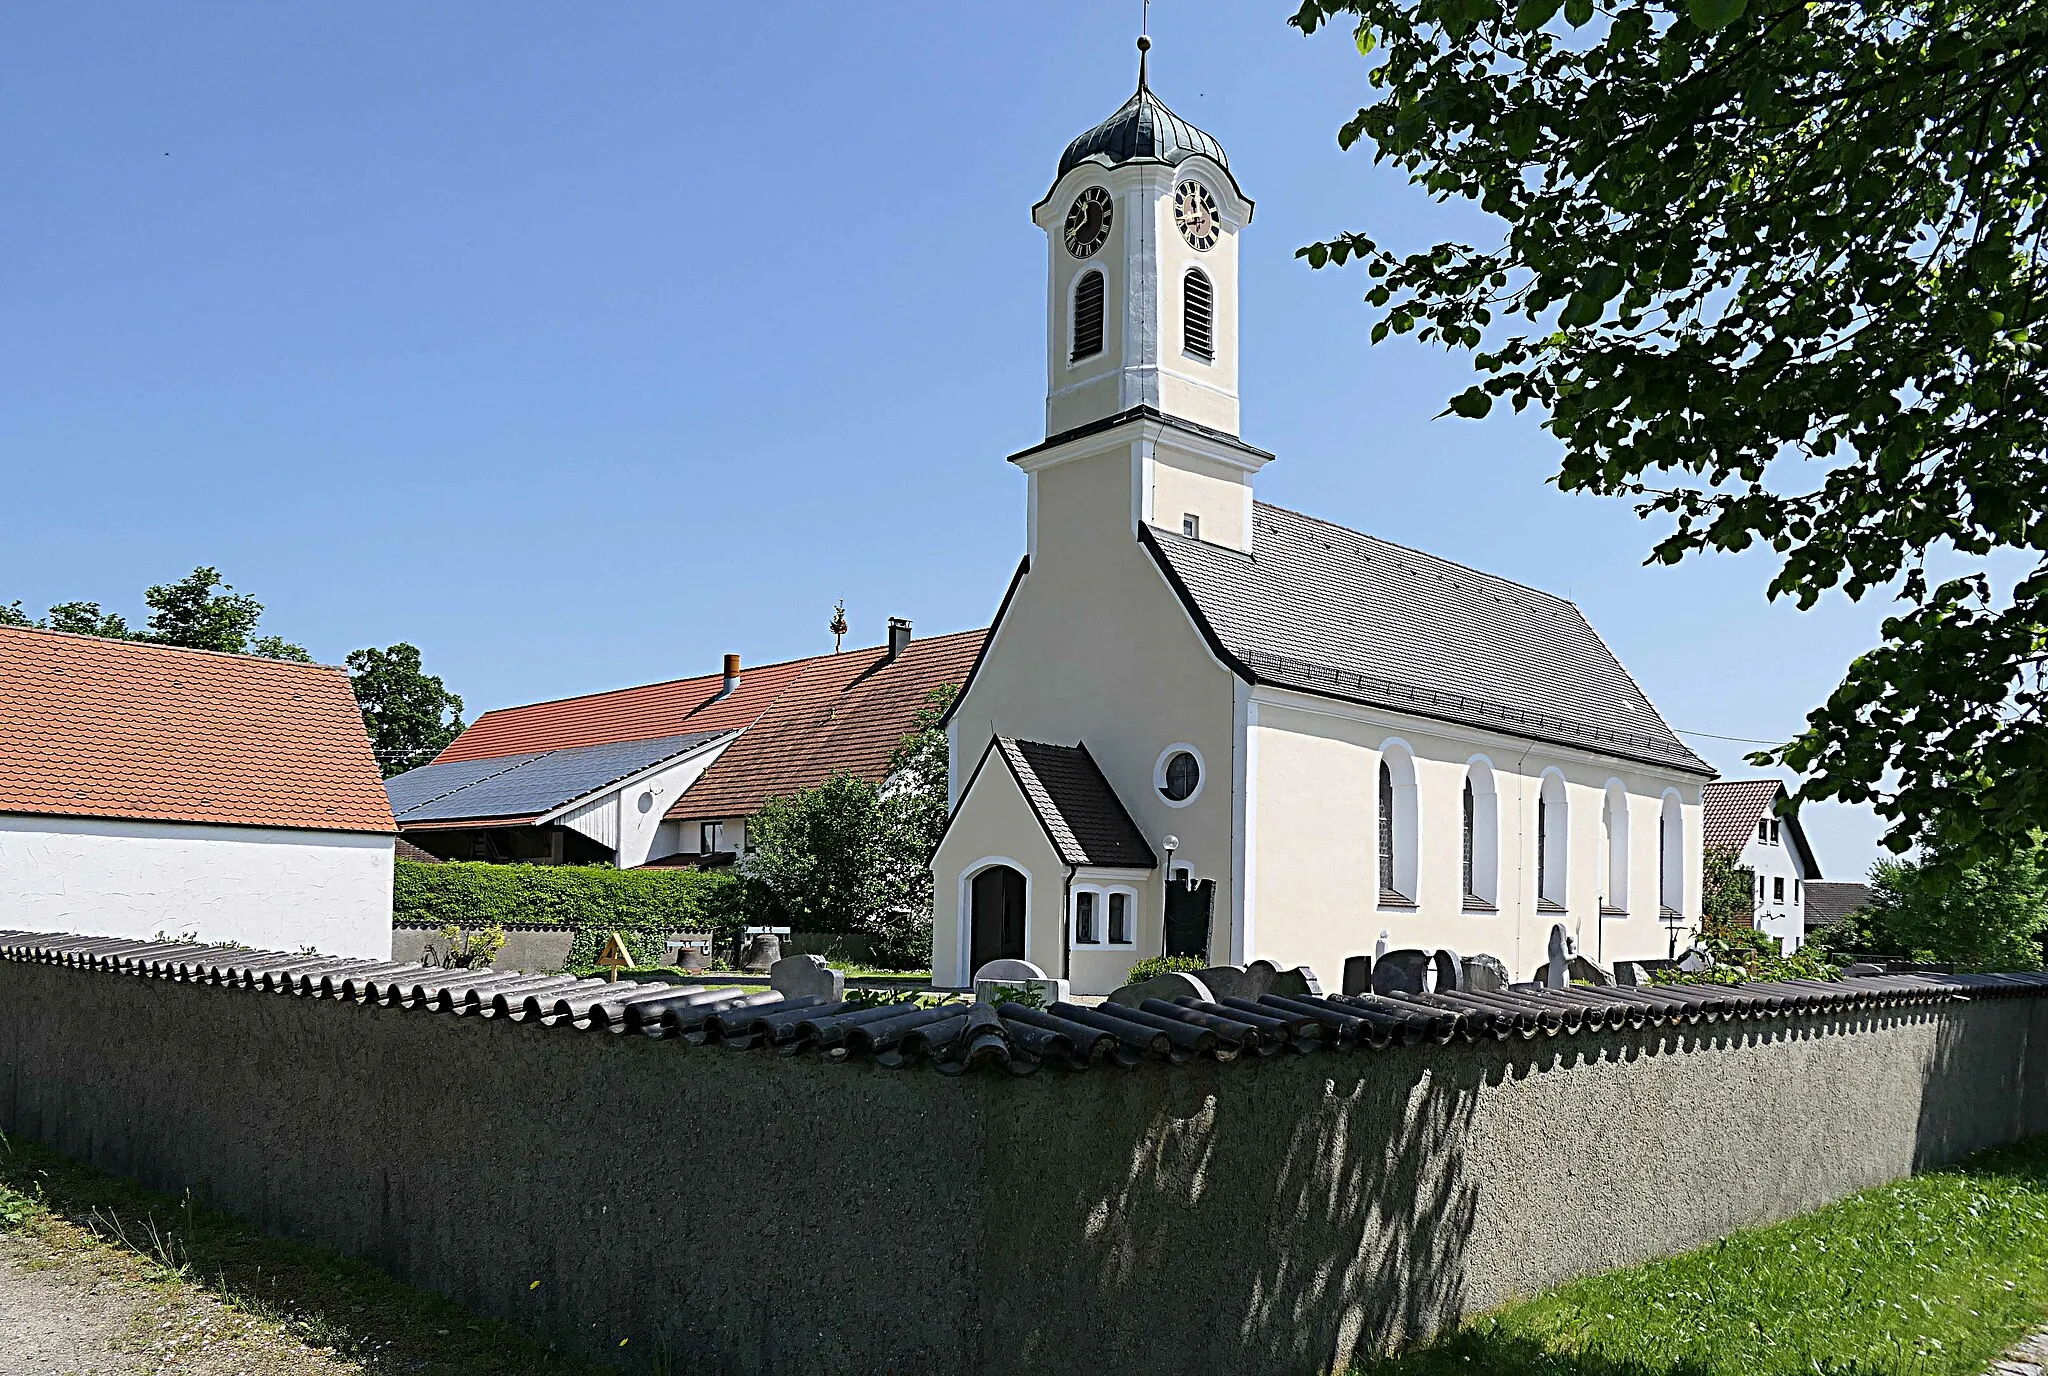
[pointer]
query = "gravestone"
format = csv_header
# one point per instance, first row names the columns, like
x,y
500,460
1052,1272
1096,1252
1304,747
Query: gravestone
x,y
1450,971
1358,974
1584,971
1860,969
1017,977
795,976
1694,961
1556,972
1300,982
1486,974
1402,972
1232,982
1379,948
1170,986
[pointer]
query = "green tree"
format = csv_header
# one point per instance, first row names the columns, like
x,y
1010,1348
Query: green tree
x,y
1986,913
410,714
86,618
198,612
853,856
1772,269
1727,889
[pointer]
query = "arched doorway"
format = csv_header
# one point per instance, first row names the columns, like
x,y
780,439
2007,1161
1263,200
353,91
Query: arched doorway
x,y
996,908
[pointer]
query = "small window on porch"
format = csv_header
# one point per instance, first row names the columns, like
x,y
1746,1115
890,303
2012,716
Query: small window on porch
x,y
1084,917
711,838
1120,919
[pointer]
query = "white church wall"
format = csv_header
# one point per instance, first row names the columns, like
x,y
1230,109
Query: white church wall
x,y
1096,649
1316,840
994,825
273,889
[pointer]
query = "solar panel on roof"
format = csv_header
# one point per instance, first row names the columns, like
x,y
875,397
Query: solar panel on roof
x,y
540,782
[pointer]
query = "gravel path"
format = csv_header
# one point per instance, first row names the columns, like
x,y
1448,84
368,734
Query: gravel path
x,y
71,1306
2030,1358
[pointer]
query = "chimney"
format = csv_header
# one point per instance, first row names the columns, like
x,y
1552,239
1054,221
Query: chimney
x,y
899,636
732,678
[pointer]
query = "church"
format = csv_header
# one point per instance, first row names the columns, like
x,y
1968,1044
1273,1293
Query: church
x,y
1207,726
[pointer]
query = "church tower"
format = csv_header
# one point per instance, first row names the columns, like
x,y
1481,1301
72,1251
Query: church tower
x,y
1141,227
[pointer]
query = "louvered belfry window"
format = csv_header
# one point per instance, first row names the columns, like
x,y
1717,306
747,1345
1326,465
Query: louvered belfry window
x,y
1088,317
1386,828
1200,335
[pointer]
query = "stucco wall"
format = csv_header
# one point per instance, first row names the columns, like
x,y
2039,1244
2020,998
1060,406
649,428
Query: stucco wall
x,y
1097,650
1264,1216
1779,859
1316,846
262,887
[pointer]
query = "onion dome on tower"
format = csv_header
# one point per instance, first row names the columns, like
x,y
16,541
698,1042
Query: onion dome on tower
x,y
1143,130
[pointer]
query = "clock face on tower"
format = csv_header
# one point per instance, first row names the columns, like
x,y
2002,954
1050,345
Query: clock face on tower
x,y
1088,222
1194,210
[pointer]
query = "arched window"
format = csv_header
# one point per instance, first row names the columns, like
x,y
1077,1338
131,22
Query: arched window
x,y
1670,858
1198,336
1614,836
1552,823
1397,825
1087,316
1482,839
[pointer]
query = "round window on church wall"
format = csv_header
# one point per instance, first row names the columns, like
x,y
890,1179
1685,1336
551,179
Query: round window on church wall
x,y
1183,777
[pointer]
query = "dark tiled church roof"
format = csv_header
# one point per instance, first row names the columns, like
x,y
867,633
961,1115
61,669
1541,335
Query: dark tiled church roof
x,y
1326,610
1074,802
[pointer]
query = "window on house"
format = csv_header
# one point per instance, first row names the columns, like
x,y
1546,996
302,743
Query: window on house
x,y
1614,835
1084,917
1191,525
1199,336
1087,317
1471,892
1775,839
1551,822
1777,891
1795,891
1670,857
1183,776
1763,829
1120,919
711,837
1387,832
1481,842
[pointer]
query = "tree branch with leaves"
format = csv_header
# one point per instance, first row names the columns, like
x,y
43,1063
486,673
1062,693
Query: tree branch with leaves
x,y
1773,270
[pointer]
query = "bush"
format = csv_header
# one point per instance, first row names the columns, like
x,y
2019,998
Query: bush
x,y
1151,967
1743,954
591,900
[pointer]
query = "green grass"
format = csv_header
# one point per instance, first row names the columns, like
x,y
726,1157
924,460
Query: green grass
x,y
1933,1276
352,1308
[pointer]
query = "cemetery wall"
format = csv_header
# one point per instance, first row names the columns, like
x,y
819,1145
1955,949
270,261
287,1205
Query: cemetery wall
x,y
745,1212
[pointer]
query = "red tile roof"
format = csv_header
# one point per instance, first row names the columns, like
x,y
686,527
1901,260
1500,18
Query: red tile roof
x,y
113,728
675,708
843,713
801,720
1730,809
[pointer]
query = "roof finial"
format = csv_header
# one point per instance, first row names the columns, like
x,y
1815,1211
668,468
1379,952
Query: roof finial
x,y
1144,42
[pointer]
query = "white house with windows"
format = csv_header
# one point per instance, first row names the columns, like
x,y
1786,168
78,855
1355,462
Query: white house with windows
x,y
1206,725
1741,816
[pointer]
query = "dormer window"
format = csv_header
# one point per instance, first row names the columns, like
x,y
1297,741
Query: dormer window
x,y
1087,316
1199,311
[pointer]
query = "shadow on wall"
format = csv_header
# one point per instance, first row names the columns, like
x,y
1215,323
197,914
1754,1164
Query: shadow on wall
x,y
1356,1239
1957,1115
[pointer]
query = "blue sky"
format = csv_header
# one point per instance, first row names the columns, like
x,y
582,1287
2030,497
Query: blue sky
x,y
581,344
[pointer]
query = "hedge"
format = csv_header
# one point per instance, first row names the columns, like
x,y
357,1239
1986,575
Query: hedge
x,y
591,900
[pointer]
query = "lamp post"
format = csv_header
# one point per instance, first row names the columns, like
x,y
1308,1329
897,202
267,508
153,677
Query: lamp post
x,y
1172,844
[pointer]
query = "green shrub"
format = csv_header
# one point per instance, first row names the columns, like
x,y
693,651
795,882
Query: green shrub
x,y
591,900
1151,967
